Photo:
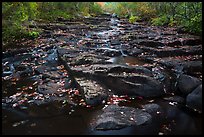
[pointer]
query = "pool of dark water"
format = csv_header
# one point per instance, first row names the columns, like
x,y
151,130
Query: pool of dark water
x,y
55,118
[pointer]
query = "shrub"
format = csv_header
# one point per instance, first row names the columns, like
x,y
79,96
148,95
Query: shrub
x,y
160,21
33,34
133,19
172,22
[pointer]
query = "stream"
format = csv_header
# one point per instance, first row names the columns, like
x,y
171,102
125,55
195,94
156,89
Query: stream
x,y
103,76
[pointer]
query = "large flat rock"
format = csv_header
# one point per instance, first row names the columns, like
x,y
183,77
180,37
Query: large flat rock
x,y
93,92
116,117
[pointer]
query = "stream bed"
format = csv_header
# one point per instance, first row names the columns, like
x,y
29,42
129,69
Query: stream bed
x,y
103,78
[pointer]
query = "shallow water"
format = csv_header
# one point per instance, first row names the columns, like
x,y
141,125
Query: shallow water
x,y
128,60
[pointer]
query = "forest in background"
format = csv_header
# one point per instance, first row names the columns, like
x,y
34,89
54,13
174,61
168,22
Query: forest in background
x,y
17,16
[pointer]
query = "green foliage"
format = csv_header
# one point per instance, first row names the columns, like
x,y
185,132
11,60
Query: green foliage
x,y
194,25
96,9
160,21
133,19
145,11
124,9
172,22
189,16
33,34
186,14
52,10
14,17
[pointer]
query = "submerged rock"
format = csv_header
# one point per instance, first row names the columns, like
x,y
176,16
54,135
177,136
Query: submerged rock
x,y
116,117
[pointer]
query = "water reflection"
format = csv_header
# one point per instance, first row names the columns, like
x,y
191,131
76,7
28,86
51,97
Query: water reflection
x,y
128,60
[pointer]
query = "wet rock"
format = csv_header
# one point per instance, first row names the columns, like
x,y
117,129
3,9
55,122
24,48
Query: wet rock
x,y
137,85
150,43
114,68
52,75
49,100
14,52
158,73
68,83
63,51
193,66
26,72
115,42
190,67
104,69
48,88
113,22
111,52
41,69
187,84
129,69
194,99
53,57
115,117
168,52
134,52
10,72
93,92
174,43
192,41
86,59
152,108
177,99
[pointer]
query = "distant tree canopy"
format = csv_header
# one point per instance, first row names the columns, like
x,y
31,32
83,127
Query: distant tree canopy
x,y
16,16
184,14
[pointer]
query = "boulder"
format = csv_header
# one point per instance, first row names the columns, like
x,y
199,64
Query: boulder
x,y
193,66
93,92
187,84
137,85
194,99
115,117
